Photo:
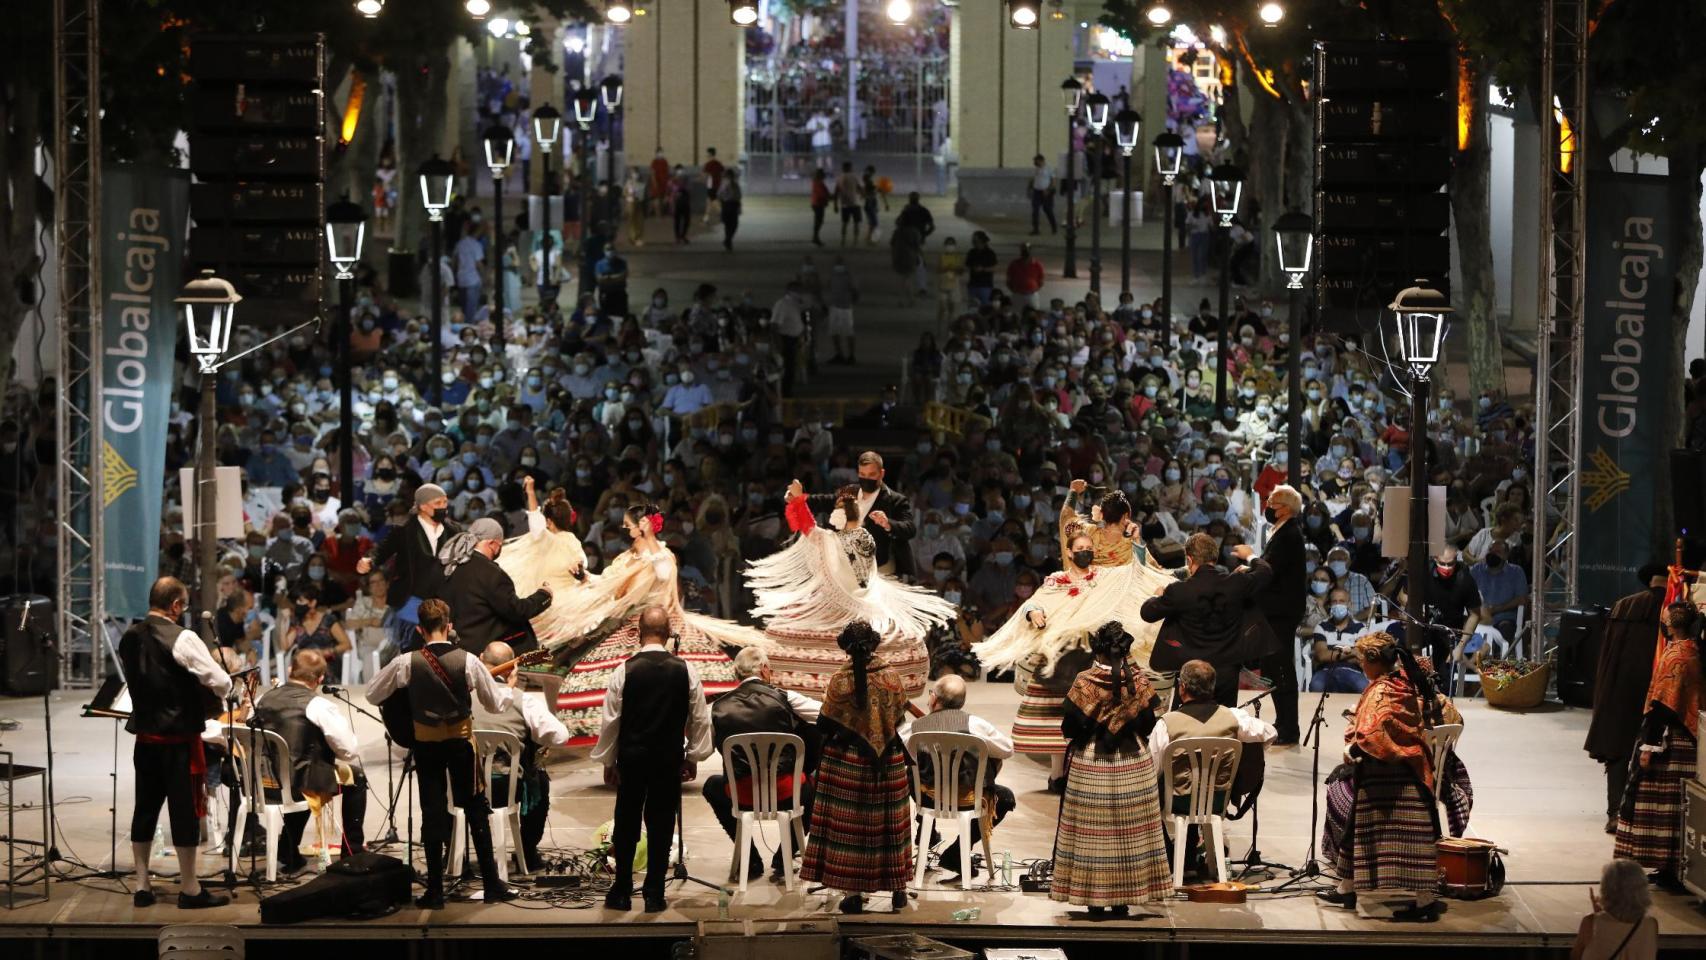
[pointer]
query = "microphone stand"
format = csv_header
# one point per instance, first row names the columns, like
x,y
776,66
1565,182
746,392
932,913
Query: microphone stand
x,y
341,694
1311,867
678,871
1252,859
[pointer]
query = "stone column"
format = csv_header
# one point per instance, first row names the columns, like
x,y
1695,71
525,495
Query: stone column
x,y
1005,105
684,82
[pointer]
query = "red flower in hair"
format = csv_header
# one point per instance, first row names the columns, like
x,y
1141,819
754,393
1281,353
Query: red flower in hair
x,y
657,523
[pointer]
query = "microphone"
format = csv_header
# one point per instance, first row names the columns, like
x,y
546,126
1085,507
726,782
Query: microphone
x,y
331,689
25,617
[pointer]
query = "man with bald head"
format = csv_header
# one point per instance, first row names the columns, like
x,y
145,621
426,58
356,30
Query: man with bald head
x,y
655,718
948,715
533,723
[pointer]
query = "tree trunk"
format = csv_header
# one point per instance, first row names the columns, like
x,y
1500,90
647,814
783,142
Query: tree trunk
x,y
422,106
1472,217
1264,197
1231,114
1300,156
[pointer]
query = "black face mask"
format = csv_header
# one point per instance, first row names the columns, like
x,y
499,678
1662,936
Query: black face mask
x,y
439,514
1494,561
385,473
869,485
301,610
320,496
1268,514
1083,558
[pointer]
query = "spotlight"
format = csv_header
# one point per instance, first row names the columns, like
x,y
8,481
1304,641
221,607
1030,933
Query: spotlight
x,y
478,8
1023,14
497,26
369,8
1158,14
899,11
522,29
1271,13
743,13
618,11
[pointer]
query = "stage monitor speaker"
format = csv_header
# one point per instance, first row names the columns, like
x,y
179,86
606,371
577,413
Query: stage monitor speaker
x,y
363,886
1580,635
1687,479
26,633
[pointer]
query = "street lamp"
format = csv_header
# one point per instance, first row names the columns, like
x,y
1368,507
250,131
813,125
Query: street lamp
x,y
1158,14
1071,96
1271,14
547,127
346,228
618,12
369,8
1226,189
898,11
1294,237
478,8
210,308
1420,318
1126,125
437,178
1096,117
1169,156
610,91
586,111
1023,14
500,148
743,13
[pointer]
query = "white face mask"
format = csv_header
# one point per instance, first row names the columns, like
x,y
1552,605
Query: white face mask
x,y
838,519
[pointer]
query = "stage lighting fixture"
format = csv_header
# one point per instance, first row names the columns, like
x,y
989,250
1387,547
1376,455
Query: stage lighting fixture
x,y
1023,14
478,8
1158,14
743,13
1271,13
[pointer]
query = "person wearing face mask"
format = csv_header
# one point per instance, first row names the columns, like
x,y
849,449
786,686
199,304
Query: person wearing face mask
x,y
411,551
483,599
549,554
1504,593
1281,602
1211,615
1455,607
1359,587
806,593
887,514
309,627
1337,668
934,541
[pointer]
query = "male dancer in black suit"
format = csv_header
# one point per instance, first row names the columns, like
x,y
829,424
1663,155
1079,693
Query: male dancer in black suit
x,y
412,551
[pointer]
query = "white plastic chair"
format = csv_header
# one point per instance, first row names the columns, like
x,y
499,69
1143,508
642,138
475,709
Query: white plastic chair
x,y
199,941
762,753
506,820
1305,653
948,753
1495,643
1209,760
262,756
1441,741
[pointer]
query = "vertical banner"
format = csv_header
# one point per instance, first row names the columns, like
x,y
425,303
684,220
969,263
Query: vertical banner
x,y
1625,353
144,211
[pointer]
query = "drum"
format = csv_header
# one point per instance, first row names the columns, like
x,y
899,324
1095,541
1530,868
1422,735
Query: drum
x,y
1469,868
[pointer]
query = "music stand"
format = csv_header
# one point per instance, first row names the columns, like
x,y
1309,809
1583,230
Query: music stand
x,y
111,701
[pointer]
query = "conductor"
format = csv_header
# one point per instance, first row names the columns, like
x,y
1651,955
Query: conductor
x,y
889,514
1210,616
411,549
482,598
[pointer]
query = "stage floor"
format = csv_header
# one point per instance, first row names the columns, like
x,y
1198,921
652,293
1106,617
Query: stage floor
x,y
1537,794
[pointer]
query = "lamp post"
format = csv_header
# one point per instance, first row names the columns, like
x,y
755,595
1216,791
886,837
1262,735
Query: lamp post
x,y
1126,125
1169,155
210,306
1071,95
500,148
1226,189
1294,235
586,110
547,127
1420,318
1096,117
346,228
437,177
610,91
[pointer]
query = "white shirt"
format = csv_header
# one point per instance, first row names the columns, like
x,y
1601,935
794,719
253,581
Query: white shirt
x,y
1250,730
867,501
786,317
468,256
433,532
1042,178
997,744
698,716
494,696
190,652
543,725
322,712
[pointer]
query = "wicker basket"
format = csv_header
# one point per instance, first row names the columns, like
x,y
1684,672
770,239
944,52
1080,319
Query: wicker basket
x,y
1525,692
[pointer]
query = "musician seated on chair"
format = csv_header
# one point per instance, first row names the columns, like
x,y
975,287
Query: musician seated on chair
x,y
537,727
1198,715
1337,669
757,705
319,735
948,715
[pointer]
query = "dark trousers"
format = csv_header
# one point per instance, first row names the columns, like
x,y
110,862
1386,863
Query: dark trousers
x,y
1005,802
648,792
163,778
1042,202
683,219
532,821
716,794
1616,781
353,813
817,221
790,363
448,766
731,223
1281,668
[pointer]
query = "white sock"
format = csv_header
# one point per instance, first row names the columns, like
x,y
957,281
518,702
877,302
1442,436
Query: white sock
x,y
1346,886
188,883
139,853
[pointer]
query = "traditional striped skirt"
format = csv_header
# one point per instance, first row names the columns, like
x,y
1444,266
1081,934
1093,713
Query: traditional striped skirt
x,y
1459,799
1036,728
1109,849
804,660
861,824
580,702
1649,831
1391,841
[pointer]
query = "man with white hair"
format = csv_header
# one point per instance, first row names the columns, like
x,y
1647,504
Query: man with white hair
x,y
757,705
1282,603
948,715
412,549
482,597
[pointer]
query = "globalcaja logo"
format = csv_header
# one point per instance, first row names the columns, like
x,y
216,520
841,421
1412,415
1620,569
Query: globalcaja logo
x,y
1604,479
117,476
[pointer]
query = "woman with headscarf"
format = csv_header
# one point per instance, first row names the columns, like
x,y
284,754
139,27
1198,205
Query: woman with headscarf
x,y
1389,841
861,823
1649,825
1108,848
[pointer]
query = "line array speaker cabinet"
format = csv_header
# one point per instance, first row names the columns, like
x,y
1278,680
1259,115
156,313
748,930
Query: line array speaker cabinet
x,y
26,634
1385,119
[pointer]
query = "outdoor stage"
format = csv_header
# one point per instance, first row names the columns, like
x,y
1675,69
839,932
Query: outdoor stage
x,y
1537,794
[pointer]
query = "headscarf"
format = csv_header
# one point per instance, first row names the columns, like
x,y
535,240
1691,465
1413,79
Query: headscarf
x,y
1389,725
455,551
865,698
1115,692
1677,679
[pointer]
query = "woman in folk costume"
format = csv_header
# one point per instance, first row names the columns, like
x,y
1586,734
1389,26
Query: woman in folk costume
x,y
548,553
860,838
1649,826
1108,849
827,578
608,610
1104,576
1390,840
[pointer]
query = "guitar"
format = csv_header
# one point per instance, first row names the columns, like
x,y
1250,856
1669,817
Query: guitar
x,y
399,715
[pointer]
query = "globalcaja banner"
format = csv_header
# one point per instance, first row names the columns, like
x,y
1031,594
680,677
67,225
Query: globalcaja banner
x,y
143,215
1626,337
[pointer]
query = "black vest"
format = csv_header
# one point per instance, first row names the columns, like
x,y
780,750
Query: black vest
x,y
313,766
429,699
166,699
654,709
758,707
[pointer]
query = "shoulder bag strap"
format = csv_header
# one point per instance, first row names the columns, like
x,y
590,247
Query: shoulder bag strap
x,y
1626,938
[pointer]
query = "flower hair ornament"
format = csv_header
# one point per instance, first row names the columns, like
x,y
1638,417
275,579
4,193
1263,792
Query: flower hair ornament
x,y
656,521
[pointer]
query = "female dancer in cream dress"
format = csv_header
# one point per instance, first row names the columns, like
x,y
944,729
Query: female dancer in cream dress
x,y
1106,575
809,592
549,554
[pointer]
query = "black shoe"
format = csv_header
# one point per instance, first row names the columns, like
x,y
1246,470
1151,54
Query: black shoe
x,y
500,893
201,901
1057,785
431,900
1611,825
900,899
1120,911
293,867
1097,911
142,898
656,904
1337,899
1420,914
1284,740
853,903
618,901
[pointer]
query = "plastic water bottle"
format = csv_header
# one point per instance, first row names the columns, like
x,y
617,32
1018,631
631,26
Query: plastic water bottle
x,y
325,857
1007,868
724,896
967,915
159,848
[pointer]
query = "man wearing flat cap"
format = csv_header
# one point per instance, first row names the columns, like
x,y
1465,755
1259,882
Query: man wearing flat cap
x,y
482,597
412,551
